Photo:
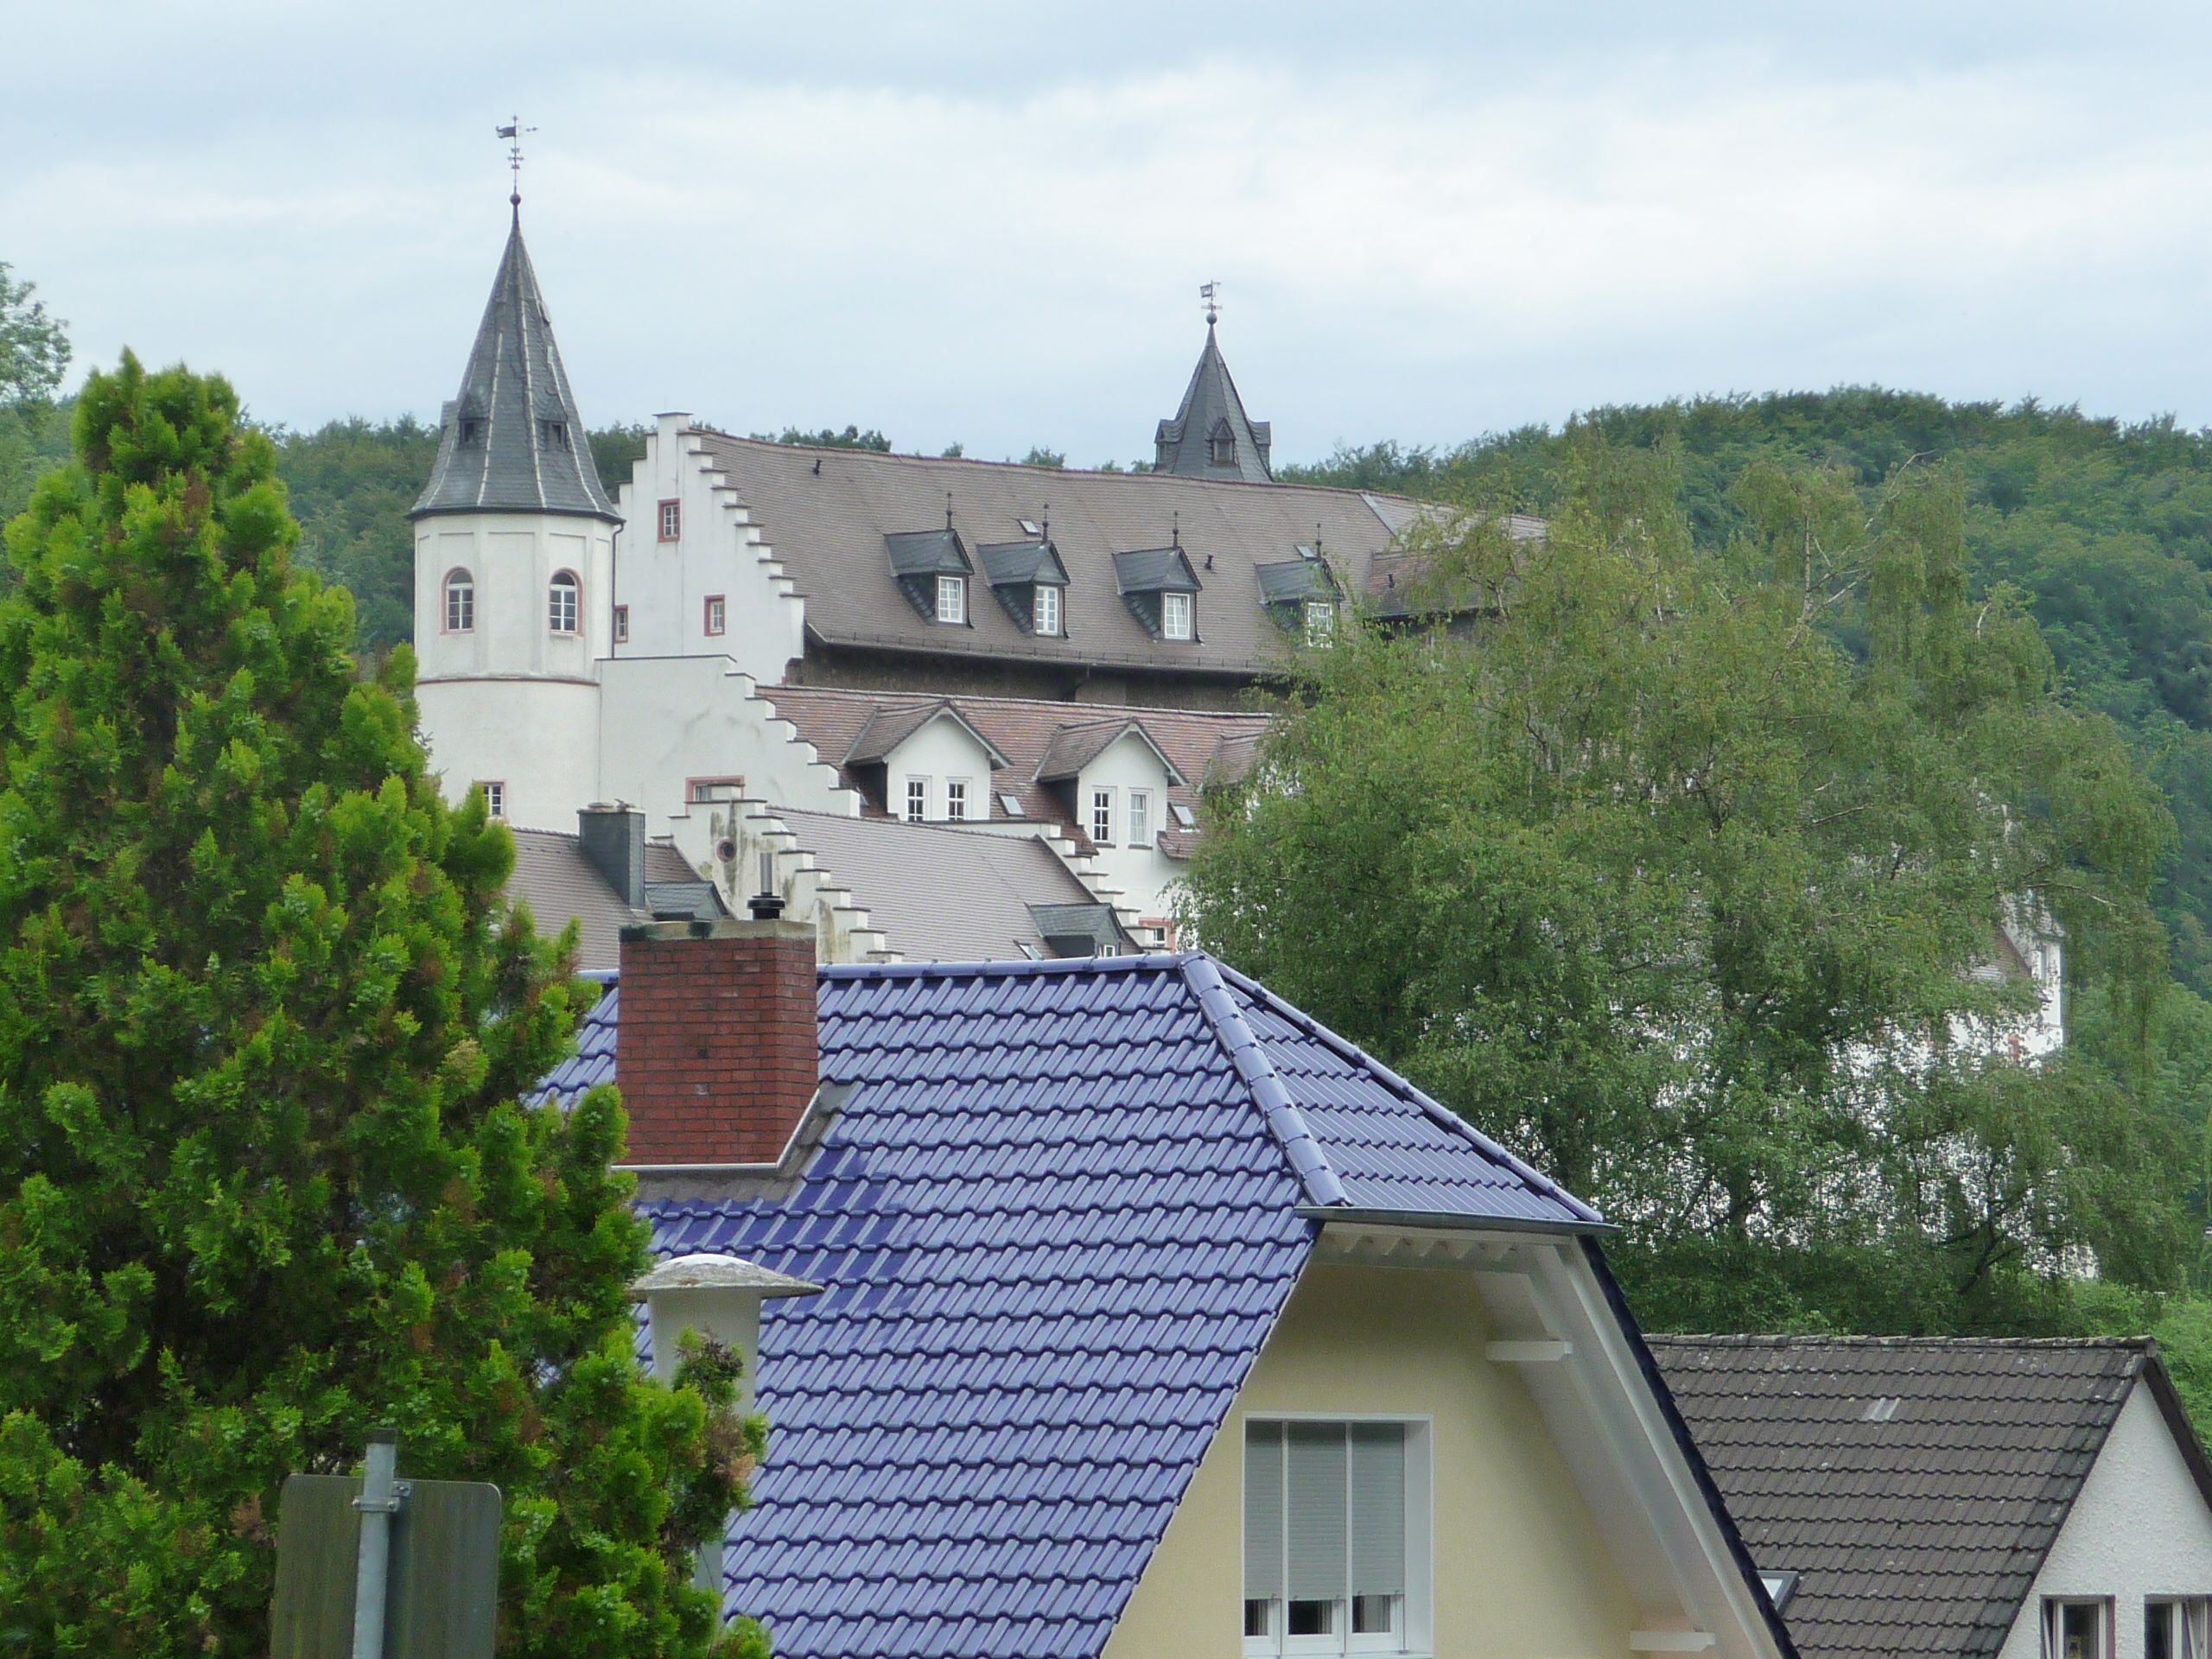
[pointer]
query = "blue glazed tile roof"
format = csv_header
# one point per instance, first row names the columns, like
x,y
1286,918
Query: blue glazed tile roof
x,y
1058,1218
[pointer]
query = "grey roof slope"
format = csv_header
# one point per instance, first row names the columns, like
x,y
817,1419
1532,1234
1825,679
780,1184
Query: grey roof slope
x,y
1914,1484
829,530
1185,444
552,872
512,440
942,894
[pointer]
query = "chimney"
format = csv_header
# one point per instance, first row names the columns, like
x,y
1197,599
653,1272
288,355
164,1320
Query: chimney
x,y
715,1048
614,839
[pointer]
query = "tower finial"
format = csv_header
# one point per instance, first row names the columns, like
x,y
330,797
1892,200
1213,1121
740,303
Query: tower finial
x,y
947,509
1211,293
512,132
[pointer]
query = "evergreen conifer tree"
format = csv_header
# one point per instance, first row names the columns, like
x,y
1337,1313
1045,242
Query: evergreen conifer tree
x,y
265,1176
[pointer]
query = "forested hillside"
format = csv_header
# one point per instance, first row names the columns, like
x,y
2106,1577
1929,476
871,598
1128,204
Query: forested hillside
x,y
2106,528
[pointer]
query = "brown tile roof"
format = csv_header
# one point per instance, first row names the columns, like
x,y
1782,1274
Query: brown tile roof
x,y
828,528
941,894
1914,1485
1026,731
553,875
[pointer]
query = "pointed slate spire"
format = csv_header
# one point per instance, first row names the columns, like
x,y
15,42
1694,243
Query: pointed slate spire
x,y
513,442
1211,435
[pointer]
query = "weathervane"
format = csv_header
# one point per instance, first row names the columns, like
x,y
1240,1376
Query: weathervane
x,y
1211,293
512,132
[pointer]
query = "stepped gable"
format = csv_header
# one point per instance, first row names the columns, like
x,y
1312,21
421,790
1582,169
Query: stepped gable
x,y
1914,1485
1210,436
1204,745
1058,1214
829,514
512,442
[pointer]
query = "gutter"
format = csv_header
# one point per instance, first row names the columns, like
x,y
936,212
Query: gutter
x,y
1440,1222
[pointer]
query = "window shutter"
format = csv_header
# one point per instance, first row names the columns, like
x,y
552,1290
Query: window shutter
x,y
1378,1509
1262,1511
1316,1510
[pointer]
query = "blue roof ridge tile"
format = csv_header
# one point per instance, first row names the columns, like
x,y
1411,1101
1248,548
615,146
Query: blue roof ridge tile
x,y
1203,976
1389,1079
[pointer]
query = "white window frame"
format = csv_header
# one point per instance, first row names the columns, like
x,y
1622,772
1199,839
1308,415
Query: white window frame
x,y
1320,621
1138,813
2192,1616
715,616
495,796
460,593
1178,616
917,794
1417,1634
564,603
2054,1624
958,792
1103,814
953,600
1045,613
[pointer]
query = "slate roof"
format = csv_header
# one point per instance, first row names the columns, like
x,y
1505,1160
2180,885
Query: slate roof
x,y
829,530
942,894
559,881
1205,746
1185,444
513,440
1914,1485
1057,1217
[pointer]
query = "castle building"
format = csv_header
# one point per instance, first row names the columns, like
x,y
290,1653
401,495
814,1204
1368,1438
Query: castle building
x,y
747,628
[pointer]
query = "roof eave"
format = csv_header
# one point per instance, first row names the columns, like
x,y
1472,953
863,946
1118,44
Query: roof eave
x,y
1454,1222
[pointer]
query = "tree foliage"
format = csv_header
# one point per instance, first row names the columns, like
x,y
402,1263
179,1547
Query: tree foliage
x,y
265,1024
35,355
1673,869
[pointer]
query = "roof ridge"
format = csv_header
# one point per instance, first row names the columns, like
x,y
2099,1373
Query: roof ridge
x,y
1107,709
1288,1124
1442,1114
1846,1339
1152,962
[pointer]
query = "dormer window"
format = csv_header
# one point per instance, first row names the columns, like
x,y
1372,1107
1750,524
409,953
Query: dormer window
x,y
560,606
1160,589
471,433
1030,582
1045,615
952,599
1222,446
931,567
554,435
1320,621
460,602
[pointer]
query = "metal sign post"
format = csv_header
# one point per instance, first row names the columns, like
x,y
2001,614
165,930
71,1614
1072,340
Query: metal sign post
x,y
385,1568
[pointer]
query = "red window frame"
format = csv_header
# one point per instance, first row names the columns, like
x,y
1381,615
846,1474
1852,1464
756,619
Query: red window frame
x,y
715,616
671,521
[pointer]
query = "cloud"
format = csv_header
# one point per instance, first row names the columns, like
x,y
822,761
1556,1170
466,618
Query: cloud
x,y
1423,246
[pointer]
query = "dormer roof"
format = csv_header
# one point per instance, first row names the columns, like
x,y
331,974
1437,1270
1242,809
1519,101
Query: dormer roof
x,y
1211,435
1075,747
512,440
887,727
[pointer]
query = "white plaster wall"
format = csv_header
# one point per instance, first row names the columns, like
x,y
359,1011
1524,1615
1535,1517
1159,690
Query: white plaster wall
x,y
538,737
721,550
664,720
941,750
1143,875
2139,1527
513,557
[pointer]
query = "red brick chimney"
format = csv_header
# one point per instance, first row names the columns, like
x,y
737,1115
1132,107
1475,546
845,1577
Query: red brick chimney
x,y
715,1048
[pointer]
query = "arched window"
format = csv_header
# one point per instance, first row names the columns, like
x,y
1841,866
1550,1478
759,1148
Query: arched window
x,y
460,602
561,604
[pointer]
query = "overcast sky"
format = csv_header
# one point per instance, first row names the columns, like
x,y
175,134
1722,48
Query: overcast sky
x,y
987,223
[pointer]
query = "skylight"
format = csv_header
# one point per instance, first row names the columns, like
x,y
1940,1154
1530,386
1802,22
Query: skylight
x,y
1012,806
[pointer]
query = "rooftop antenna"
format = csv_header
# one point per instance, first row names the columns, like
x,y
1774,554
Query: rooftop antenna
x,y
512,132
1211,293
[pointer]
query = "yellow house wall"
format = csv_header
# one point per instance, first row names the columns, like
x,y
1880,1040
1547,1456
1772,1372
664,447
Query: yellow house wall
x,y
1520,1570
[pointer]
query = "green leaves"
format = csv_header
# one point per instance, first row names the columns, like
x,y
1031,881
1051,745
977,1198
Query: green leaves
x,y
264,1021
1638,865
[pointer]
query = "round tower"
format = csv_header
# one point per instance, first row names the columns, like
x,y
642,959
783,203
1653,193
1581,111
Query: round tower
x,y
514,572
